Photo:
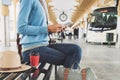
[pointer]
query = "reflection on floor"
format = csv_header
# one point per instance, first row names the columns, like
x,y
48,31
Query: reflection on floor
x,y
104,60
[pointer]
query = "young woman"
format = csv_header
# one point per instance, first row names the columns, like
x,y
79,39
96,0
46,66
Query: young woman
x,y
32,26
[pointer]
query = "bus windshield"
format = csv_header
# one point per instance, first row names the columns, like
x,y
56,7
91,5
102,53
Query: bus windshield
x,y
104,19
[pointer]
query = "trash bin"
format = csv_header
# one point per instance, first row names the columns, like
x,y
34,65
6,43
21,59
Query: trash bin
x,y
109,37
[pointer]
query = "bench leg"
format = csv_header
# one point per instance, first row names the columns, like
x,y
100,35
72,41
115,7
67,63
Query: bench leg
x,y
55,72
47,76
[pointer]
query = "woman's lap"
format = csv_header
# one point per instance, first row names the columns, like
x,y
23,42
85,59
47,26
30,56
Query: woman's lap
x,y
59,54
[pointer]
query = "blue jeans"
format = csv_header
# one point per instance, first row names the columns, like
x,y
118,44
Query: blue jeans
x,y
59,54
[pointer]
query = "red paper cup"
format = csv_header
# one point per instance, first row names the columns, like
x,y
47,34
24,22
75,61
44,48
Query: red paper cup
x,y
34,60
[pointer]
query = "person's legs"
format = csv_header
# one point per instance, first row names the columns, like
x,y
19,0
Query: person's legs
x,y
72,54
46,55
59,54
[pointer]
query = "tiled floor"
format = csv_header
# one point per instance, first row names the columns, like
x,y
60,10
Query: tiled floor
x,y
104,60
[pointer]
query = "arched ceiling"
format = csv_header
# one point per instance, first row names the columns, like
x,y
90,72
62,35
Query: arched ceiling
x,y
82,7
52,16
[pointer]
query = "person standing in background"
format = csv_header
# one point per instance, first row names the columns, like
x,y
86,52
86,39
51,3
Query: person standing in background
x,y
76,33
33,27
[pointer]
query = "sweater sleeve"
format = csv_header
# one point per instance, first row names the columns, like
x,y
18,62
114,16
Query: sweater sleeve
x,y
23,17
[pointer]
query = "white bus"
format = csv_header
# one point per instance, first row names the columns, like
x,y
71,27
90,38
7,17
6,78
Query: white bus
x,y
102,22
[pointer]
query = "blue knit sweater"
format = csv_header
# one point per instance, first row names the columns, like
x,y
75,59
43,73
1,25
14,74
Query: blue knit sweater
x,y
32,24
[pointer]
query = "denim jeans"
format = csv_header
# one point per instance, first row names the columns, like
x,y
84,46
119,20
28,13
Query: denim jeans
x,y
68,55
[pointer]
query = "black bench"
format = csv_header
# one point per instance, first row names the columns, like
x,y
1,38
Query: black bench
x,y
31,74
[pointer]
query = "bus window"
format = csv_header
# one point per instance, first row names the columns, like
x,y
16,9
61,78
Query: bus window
x,y
103,20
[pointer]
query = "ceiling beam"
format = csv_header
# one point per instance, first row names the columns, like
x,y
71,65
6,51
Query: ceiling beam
x,y
81,9
52,16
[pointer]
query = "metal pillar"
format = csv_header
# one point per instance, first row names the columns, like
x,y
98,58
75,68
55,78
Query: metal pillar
x,y
5,26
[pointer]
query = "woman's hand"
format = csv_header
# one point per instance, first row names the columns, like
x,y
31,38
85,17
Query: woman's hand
x,y
55,28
